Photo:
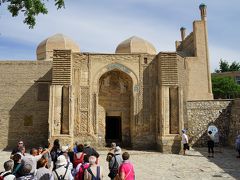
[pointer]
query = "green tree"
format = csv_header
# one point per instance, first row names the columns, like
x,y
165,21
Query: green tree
x,y
29,8
234,66
225,88
225,67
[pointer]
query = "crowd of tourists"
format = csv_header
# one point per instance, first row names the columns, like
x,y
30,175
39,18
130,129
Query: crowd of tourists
x,y
57,162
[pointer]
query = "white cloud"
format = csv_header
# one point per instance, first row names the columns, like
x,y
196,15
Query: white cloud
x,y
101,26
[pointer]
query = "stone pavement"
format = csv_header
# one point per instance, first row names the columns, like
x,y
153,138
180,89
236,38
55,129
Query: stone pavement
x,y
157,166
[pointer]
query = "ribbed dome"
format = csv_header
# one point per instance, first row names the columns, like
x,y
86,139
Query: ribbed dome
x,y
135,45
57,41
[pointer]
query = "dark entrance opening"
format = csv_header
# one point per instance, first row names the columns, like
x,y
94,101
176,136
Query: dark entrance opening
x,y
113,129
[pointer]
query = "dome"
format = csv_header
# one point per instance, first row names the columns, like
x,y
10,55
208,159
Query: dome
x,y
57,41
135,45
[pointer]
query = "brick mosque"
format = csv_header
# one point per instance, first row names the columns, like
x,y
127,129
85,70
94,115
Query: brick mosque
x,y
135,96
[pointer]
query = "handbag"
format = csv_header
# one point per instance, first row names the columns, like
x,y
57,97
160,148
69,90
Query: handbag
x,y
113,173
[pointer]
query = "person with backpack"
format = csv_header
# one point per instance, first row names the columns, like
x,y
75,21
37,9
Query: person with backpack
x,y
93,172
55,152
7,174
78,157
114,163
65,152
62,172
111,152
90,150
79,170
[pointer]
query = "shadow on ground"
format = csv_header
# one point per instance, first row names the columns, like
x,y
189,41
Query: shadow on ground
x,y
224,159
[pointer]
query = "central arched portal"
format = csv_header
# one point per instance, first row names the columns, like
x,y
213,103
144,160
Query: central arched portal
x,y
115,107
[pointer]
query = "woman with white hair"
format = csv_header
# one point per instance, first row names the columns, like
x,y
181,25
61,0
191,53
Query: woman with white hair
x,y
94,172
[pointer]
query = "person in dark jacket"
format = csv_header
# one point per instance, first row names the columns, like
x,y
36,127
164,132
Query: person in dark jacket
x,y
89,150
210,144
17,167
55,152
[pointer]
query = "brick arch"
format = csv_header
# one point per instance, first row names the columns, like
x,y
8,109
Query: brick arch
x,y
133,103
119,67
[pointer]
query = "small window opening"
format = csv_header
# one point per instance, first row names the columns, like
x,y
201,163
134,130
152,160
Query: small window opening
x,y
145,60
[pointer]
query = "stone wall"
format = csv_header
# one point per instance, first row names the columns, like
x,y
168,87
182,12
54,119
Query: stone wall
x,y
234,127
22,114
201,114
88,70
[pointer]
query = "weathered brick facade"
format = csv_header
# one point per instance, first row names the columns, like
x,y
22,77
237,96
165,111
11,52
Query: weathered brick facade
x,y
22,115
136,96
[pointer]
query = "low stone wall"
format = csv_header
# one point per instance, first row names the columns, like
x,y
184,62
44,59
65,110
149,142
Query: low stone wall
x,y
201,114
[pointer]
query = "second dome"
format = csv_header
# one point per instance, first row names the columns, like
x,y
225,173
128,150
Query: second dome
x,y
136,45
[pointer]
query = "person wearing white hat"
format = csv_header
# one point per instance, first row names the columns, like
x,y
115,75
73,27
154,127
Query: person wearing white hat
x,y
62,171
65,151
115,162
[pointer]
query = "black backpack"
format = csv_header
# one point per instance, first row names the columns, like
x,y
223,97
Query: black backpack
x,y
61,177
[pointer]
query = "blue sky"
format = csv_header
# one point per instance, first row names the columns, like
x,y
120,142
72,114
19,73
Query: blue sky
x,y
100,25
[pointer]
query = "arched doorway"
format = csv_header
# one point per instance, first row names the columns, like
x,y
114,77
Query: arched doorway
x,y
115,106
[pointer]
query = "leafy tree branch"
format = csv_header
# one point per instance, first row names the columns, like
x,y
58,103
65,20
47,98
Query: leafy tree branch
x,y
29,8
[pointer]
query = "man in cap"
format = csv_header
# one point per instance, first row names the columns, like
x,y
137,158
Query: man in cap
x,y
89,150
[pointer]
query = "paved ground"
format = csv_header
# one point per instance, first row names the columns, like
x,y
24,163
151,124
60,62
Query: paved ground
x,y
158,166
